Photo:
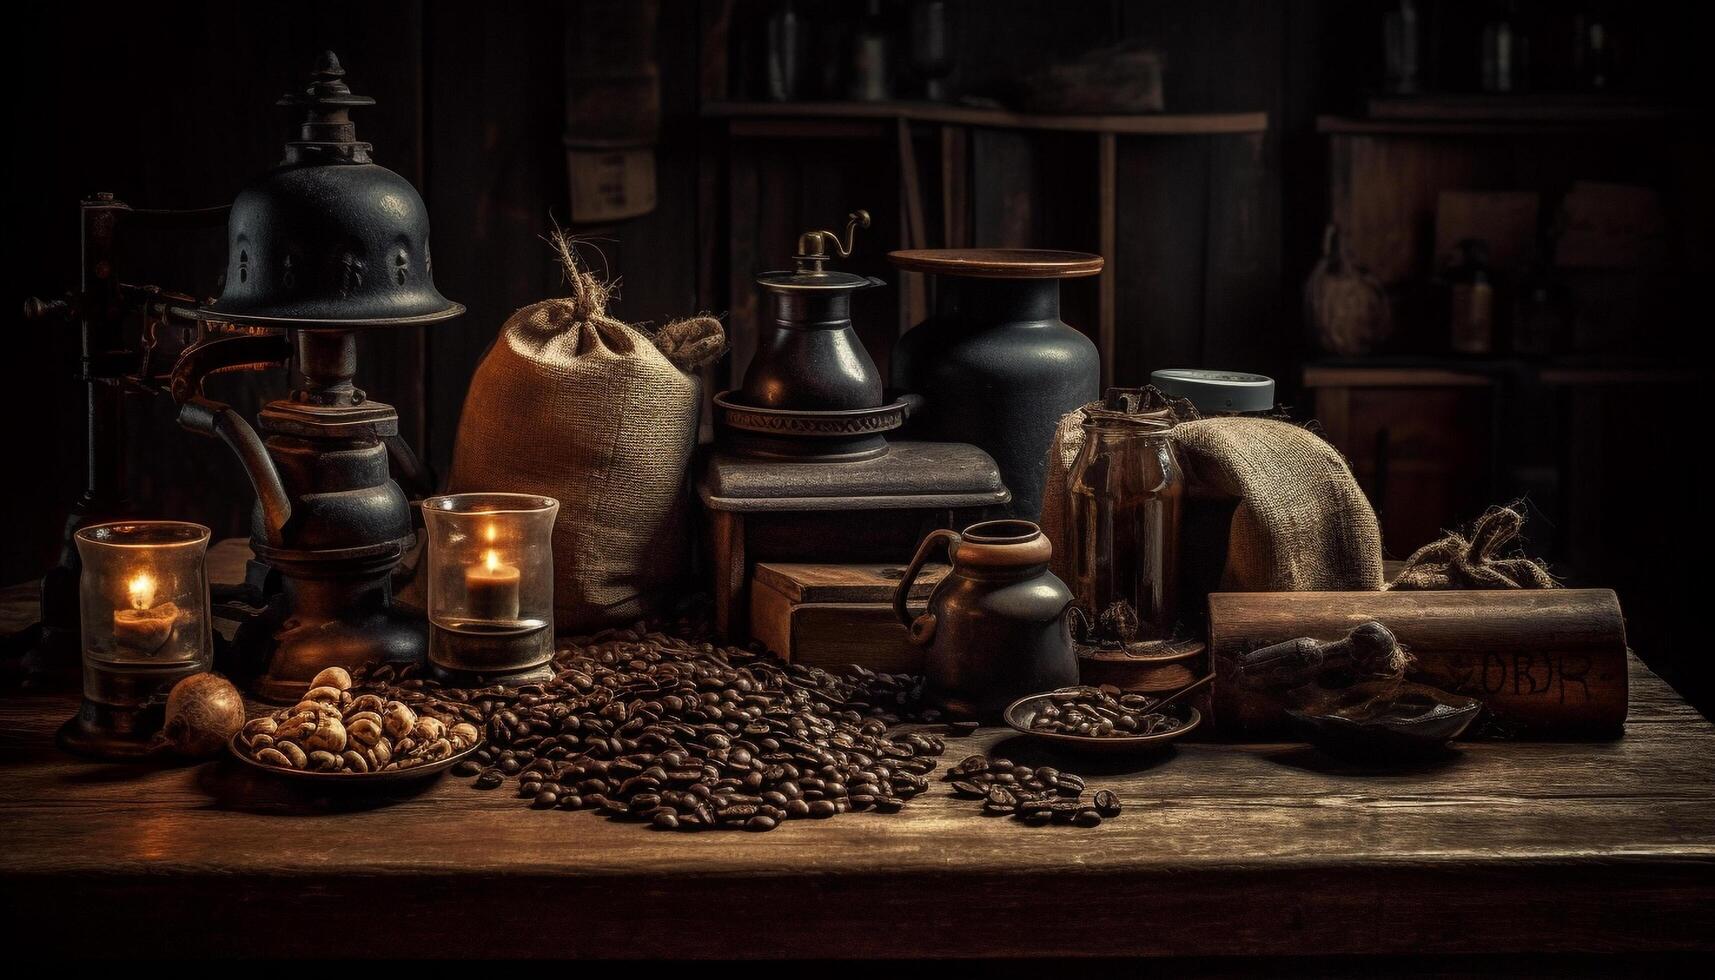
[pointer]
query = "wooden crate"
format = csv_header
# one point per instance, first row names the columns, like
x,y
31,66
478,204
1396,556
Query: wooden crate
x,y
837,615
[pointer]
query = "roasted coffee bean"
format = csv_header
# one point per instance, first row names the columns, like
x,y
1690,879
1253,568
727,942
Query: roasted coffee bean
x,y
489,779
545,800
1107,804
1064,811
468,767
1087,817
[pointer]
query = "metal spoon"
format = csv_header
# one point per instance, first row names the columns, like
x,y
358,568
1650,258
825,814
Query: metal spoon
x,y
1176,695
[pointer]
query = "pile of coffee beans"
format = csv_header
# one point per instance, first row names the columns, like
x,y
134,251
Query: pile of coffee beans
x,y
1034,796
684,735
1102,712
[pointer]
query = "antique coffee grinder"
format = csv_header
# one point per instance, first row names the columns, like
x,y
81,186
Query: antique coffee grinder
x,y
812,393
326,244
803,469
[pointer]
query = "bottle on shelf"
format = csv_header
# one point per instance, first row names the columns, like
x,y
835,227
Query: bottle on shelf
x,y
1471,307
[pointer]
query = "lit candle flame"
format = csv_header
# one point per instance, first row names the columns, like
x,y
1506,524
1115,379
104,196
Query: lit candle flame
x,y
141,589
491,559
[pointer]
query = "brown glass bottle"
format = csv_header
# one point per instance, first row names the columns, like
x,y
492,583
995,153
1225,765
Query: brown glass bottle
x,y
1125,492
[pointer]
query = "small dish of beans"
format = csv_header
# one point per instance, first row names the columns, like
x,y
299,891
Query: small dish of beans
x,y
1102,719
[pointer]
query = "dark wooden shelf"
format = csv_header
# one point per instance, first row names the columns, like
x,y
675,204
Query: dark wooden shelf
x,y
1401,371
1533,108
1458,124
1154,124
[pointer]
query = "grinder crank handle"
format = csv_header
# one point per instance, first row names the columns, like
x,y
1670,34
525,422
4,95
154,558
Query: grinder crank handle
x,y
211,418
203,415
413,475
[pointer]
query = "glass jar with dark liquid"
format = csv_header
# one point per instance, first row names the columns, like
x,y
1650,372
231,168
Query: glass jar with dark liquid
x,y
1125,493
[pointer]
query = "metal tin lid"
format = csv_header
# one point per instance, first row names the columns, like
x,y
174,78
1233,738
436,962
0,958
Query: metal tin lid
x,y
1217,391
785,281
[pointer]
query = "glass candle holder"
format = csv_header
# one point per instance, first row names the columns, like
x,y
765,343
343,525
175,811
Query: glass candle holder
x,y
143,596
491,586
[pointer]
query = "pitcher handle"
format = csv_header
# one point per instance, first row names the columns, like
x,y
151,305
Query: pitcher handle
x,y
902,591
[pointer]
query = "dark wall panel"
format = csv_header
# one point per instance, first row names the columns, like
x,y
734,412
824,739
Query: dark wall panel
x,y
494,98
168,106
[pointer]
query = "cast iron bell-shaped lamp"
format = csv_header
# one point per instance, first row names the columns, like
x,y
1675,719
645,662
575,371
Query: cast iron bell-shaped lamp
x,y
329,239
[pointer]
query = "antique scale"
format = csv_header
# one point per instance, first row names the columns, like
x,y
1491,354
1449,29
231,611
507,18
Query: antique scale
x,y
326,244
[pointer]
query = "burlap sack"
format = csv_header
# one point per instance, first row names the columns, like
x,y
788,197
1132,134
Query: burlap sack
x,y
1269,508
601,416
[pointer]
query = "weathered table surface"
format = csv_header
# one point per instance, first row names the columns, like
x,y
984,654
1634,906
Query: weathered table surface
x,y
1223,849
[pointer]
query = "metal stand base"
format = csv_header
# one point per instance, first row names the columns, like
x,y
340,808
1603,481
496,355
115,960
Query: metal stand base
x,y
104,731
447,677
467,658
303,650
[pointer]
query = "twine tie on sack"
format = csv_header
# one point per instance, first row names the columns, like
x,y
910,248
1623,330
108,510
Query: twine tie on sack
x,y
1455,562
691,343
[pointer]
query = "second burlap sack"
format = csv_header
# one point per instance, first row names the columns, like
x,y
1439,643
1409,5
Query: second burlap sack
x,y
1269,507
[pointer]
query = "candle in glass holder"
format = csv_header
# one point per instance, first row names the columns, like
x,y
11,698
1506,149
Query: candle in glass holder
x,y
491,588
144,627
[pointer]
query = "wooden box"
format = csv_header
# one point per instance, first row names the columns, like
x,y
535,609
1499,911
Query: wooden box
x,y
1545,662
837,615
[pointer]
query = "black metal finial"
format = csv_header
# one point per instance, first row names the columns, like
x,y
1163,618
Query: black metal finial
x,y
327,132
327,90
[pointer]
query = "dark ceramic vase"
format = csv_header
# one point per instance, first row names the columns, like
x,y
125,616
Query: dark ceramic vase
x,y
995,364
995,629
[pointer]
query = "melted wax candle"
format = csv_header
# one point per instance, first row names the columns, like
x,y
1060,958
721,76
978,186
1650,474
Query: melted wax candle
x,y
491,589
144,627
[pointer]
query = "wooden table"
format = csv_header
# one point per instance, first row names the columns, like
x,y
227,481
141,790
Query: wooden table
x,y
1223,849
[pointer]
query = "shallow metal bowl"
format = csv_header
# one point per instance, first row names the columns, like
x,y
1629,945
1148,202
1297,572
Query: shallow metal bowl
x,y
353,779
1019,714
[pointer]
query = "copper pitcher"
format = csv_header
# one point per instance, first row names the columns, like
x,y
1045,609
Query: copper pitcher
x,y
996,626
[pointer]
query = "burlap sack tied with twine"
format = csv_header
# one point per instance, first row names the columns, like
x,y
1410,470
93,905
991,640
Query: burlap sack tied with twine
x,y
1269,507
602,416
1457,562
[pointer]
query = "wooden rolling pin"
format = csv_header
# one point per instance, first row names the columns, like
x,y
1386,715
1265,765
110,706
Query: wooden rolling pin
x,y
1547,663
